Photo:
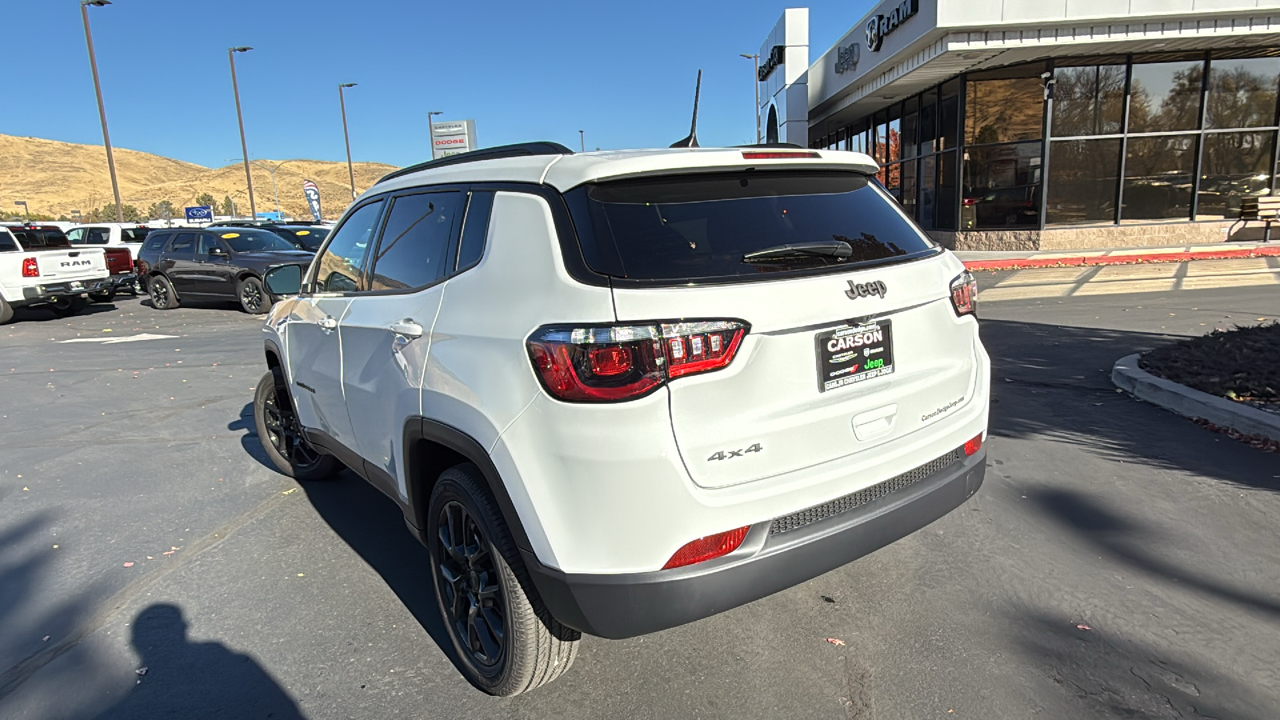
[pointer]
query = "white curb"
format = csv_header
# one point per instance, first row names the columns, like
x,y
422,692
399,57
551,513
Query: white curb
x,y
1192,403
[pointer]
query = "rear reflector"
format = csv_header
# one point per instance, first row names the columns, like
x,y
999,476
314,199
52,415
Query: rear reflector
x,y
973,446
775,155
622,362
30,268
711,546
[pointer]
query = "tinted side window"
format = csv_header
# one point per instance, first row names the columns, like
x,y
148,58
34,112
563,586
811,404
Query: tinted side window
x,y
7,243
475,229
183,245
155,242
208,241
413,252
97,236
343,259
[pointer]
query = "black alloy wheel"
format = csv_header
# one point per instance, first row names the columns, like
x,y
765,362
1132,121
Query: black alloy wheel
x,y
253,298
281,425
158,289
472,592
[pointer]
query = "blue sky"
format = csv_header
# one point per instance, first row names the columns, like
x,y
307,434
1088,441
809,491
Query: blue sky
x,y
623,72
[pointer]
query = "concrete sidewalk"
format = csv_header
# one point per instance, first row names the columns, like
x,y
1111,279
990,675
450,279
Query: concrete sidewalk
x,y
1013,260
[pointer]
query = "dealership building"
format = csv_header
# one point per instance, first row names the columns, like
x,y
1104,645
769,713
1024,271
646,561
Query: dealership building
x,y
1044,124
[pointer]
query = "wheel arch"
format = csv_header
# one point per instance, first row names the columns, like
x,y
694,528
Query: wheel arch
x,y
430,448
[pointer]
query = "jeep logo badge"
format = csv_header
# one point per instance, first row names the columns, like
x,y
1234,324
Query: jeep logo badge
x,y
860,290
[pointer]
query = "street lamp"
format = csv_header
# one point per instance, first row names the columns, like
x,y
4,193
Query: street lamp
x,y
431,133
582,141
755,80
25,209
274,191
102,111
244,148
351,173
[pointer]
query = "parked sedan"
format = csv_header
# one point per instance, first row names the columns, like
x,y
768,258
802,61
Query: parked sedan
x,y
217,263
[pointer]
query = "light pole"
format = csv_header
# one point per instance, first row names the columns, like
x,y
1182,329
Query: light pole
x,y
755,80
272,171
431,133
25,209
582,141
102,111
351,173
244,148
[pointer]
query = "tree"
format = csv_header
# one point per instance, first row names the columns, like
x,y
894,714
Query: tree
x,y
107,213
206,199
228,207
162,209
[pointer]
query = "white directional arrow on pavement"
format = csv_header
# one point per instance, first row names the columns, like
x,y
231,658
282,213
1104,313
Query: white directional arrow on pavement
x,y
114,340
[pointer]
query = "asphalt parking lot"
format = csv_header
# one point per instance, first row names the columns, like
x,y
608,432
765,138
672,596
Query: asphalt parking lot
x,y
1118,562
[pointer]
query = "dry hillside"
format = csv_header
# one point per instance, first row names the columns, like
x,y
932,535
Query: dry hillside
x,y
57,177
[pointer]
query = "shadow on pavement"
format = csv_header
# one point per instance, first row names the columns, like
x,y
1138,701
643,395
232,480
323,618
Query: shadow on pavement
x,y
185,679
249,440
1054,381
1126,539
1114,676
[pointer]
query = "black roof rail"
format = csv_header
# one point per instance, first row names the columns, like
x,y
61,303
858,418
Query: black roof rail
x,y
493,153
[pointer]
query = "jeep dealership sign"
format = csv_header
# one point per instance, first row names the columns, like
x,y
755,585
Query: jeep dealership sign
x,y
452,137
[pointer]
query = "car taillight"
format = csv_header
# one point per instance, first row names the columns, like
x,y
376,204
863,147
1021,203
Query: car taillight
x,y
30,268
969,202
973,446
706,548
964,294
622,362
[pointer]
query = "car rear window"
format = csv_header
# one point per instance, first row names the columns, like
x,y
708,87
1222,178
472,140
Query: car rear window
x,y
134,235
699,227
41,238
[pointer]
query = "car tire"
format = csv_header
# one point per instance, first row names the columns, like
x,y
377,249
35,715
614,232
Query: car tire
x,y
468,540
6,312
281,436
161,293
254,298
103,297
68,305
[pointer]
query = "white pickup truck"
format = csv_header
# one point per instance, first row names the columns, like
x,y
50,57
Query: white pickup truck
x,y
38,266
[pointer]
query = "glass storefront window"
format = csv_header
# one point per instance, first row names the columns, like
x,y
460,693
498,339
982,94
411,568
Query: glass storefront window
x,y
1242,93
1232,166
909,187
945,210
949,115
1083,183
910,121
1004,105
928,182
1165,96
1001,186
1088,100
893,138
928,131
1158,178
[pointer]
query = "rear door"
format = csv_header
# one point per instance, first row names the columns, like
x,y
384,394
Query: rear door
x,y
843,354
386,332
217,271
179,263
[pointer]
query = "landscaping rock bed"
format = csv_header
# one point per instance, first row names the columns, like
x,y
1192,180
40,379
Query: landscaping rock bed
x,y
1242,364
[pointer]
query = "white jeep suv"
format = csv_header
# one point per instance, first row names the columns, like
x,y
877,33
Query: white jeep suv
x,y
615,392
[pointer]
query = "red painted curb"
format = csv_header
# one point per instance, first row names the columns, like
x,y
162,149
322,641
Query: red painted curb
x,y
1031,262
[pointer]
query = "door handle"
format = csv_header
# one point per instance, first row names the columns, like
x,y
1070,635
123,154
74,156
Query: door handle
x,y
408,328
328,323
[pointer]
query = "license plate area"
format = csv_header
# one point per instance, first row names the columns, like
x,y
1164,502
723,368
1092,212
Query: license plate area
x,y
850,355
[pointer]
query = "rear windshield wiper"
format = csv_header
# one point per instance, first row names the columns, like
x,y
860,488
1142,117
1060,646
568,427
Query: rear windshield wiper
x,y
830,250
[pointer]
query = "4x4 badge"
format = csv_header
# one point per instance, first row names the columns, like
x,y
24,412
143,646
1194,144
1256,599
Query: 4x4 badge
x,y
857,290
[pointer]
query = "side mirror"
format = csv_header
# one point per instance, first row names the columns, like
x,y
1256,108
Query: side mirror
x,y
283,280
217,252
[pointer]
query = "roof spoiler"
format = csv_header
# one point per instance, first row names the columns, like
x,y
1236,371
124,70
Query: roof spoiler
x,y
493,153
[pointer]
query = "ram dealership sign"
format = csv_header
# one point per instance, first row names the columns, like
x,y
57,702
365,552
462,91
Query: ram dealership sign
x,y
452,137
880,26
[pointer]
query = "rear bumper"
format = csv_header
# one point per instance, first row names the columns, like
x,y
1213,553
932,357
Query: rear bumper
x,y
626,605
115,282
36,294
